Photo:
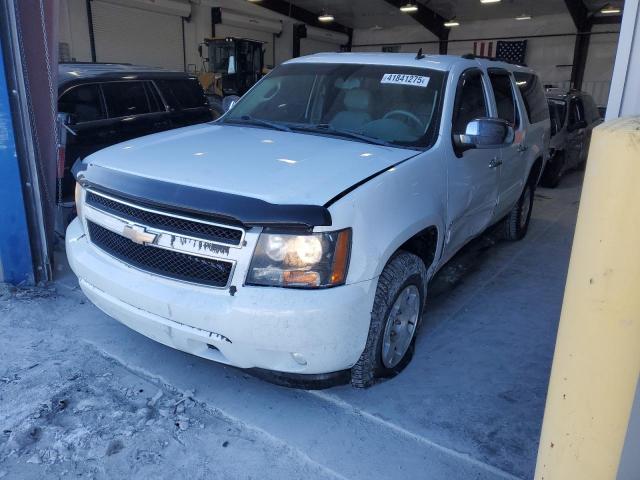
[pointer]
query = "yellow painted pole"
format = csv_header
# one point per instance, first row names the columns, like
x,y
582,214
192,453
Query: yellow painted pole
x,y
597,357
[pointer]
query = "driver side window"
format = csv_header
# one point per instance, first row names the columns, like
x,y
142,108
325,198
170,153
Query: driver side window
x,y
470,103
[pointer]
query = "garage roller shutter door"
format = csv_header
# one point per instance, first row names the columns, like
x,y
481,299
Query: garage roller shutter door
x,y
132,35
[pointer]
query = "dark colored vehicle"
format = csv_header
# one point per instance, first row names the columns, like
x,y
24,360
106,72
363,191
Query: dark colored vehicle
x,y
574,115
104,104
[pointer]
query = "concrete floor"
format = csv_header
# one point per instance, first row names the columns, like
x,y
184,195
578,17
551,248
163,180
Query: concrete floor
x,y
469,406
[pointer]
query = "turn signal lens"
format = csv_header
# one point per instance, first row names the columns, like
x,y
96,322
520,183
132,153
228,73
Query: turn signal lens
x,y
341,258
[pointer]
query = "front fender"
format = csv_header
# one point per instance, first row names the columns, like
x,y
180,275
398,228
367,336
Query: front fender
x,y
390,209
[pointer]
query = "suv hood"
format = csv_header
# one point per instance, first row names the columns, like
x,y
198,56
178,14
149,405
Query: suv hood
x,y
274,166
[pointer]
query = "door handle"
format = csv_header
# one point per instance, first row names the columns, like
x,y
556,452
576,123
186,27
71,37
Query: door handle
x,y
522,148
495,163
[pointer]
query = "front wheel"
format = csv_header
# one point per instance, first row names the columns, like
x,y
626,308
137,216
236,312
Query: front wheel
x,y
516,224
396,314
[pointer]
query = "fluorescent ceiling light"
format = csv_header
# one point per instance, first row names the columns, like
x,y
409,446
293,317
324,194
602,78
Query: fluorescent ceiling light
x,y
452,23
409,8
608,9
326,17
523,17
490,1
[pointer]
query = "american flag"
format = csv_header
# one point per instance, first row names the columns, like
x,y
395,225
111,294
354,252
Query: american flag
x,y
483,49
512,52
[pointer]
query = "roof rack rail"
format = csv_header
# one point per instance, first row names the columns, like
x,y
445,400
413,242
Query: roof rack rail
x,y
473,56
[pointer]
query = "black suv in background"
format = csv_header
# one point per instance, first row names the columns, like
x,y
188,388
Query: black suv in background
x,y
104,104
573,115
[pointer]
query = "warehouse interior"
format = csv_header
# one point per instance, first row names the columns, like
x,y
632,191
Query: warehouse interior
x,y
485,389
173,29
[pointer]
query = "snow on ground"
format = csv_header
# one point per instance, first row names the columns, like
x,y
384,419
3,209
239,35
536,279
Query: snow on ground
x,y
83,396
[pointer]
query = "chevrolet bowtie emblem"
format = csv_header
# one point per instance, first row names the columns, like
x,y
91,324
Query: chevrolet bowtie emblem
x,y
138,234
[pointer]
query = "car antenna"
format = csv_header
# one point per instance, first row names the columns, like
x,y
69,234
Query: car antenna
x,y
419,56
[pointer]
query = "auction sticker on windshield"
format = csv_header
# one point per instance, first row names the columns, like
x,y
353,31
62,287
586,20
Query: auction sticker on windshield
x,y
403,79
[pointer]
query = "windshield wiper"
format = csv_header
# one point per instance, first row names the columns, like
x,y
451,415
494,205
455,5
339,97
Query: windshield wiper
x,y
248,120
326,128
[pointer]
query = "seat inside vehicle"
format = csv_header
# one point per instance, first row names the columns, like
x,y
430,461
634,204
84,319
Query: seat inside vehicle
x,y
356,101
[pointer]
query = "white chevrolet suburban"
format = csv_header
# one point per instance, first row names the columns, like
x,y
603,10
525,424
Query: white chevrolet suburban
x,y
298,233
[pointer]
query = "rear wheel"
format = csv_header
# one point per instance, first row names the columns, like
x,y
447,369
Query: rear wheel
x,y
516,224
396,314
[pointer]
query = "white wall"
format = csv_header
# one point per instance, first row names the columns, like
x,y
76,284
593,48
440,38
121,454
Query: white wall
x,y
74,31
546,55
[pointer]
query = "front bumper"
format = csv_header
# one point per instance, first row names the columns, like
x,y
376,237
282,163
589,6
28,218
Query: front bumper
x,y
257,327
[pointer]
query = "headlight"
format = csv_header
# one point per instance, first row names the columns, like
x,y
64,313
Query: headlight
x,y
79,199
304,261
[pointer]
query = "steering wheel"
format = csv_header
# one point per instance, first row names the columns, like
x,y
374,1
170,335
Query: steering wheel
x,y
405,114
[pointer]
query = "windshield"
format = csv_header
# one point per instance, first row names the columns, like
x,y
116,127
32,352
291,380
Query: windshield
x,y
222,58
390,105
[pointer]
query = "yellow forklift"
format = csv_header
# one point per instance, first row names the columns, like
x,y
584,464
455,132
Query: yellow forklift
x,y
230,66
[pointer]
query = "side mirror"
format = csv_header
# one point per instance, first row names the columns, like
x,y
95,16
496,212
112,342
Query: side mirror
x,y
200,50
485,133
229,102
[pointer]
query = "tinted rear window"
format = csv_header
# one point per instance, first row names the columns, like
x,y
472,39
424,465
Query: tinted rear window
x,y
125,98
591,110
182,93
558,112
83,102
532,92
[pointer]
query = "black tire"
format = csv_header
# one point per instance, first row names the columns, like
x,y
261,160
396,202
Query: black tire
x,y
516,223
553,171
402,271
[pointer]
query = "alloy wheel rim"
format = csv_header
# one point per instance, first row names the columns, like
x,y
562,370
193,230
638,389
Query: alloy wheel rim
x,y
400,326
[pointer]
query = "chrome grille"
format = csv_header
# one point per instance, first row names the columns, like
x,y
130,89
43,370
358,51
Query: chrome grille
x,y
179,225
168,263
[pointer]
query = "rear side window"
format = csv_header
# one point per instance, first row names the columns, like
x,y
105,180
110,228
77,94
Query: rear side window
x,y
154,98
591,110
470,101
503,94
532,92
125,98
576,111
557,113
182,93
83,102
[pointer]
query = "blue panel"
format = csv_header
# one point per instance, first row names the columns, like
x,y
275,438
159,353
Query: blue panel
x,y
16,264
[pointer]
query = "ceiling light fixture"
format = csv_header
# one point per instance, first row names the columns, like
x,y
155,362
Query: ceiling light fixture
x,y
609,9
452,23
490,1
524,16
326,17
409,8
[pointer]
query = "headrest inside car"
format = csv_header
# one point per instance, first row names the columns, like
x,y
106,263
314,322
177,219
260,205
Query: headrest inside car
x,y
357,99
